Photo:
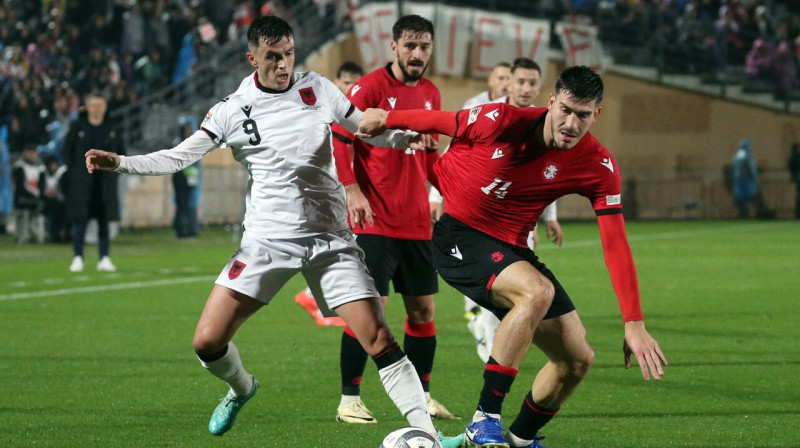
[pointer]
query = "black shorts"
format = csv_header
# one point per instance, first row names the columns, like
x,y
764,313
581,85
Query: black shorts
x,y
470,260
407,263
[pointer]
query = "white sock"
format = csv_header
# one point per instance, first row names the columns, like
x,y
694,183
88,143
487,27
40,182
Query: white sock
x,y
516,441
404,388
229,369
347,399
479,416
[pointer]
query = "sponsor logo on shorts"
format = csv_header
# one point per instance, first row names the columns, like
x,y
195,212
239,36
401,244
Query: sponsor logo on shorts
x,y
497,257
236,269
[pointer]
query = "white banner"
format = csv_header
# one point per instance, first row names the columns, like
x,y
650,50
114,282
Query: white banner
x,y
494,37
504,37
453,34
372,25
581,46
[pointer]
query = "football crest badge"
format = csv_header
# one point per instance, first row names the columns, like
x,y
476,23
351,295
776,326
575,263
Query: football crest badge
x,y
308,96
236,269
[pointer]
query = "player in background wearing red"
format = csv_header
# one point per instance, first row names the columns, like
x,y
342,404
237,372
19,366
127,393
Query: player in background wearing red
x,y
389,212
505,164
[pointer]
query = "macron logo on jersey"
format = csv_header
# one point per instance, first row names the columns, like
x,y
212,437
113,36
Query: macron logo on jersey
x,y
456,253
246,110
608,164
392,101
492,115
354,90
498,153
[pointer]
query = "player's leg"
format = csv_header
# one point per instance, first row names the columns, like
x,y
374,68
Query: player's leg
x,y
381,261
416,280
346,286
253,275
563,341
527,294
225,311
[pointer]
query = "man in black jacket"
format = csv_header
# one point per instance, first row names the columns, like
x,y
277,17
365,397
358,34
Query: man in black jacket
x,y
91,196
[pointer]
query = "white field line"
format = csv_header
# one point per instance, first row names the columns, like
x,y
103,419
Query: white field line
x,y
104,288
543,245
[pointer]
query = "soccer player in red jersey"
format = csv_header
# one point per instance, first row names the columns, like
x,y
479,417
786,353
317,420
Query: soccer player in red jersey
x,y
389,211
505,164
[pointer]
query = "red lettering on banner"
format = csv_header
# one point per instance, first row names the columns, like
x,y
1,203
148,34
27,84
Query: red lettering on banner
x,y
451,45
480,42
366,39
384,38
534,46
573,48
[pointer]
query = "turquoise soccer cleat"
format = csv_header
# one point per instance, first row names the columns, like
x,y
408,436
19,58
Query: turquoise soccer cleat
x,y
450,442
225,415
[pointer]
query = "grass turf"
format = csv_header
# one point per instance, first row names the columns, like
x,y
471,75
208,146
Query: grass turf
x,y
105,359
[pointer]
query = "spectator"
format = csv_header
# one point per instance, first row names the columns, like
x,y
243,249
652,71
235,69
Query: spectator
x,y
54,205
759,63
794,172
187,187
745,178
28,176
91,196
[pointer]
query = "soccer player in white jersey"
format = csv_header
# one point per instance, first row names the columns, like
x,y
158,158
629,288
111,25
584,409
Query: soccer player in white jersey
x,y
278,127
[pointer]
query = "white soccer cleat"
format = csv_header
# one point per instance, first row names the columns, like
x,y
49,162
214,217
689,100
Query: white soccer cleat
x,y
77,264
105,265
355,412
438,411
479,333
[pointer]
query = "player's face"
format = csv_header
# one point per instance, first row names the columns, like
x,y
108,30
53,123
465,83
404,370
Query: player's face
x,y
526,84
274,63
498,82
568,120
346,80
412,52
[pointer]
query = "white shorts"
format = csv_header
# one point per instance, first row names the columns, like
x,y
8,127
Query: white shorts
x,y
332,264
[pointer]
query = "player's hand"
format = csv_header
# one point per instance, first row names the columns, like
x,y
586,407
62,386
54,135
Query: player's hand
x,y
372,124
423,142
437,210
358,206
97,159
648,354
554,232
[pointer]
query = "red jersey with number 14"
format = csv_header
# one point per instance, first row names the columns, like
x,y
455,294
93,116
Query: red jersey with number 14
x,y
497,179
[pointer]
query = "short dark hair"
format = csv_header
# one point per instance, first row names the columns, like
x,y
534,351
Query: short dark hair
x,y
268,29
413,24
349,67
525,63
581,83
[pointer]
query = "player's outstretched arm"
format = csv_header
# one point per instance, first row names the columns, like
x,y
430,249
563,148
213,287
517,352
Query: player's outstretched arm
x,y
97,159
644,347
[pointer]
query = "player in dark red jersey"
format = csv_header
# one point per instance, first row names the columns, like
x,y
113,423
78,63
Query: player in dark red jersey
x,y
505,164
389,211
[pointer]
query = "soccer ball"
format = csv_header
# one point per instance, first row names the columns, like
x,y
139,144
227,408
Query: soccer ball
x,y
410,437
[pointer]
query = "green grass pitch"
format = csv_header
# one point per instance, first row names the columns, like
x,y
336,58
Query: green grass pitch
x,y
105,359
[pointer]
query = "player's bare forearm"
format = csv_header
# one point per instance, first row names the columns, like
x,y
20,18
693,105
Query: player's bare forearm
x,y
97,159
